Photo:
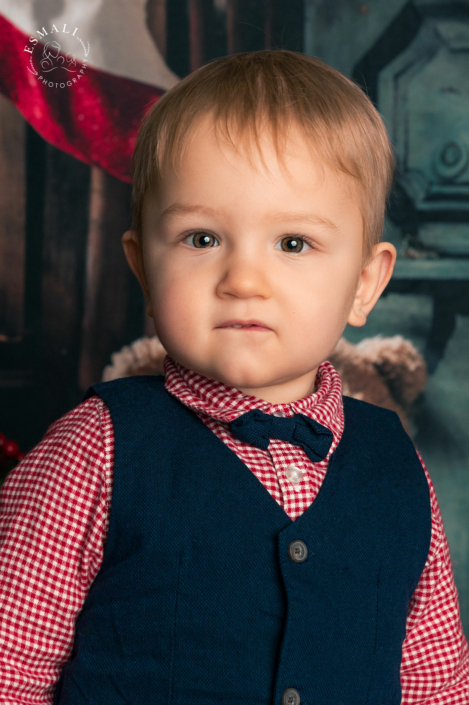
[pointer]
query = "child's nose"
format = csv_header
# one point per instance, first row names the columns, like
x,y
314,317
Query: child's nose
x,y
244,276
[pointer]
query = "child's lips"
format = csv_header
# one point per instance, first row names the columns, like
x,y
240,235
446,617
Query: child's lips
x,y
250,325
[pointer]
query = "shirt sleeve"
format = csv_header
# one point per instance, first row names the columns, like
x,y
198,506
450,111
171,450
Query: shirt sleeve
x,y
54,509
435,654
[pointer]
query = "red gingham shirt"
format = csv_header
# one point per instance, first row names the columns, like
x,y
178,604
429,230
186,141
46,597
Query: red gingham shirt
x,y
54,510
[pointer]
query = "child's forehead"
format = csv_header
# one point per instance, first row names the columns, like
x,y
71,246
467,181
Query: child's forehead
x,y
252,138
278,178
282,196
289,157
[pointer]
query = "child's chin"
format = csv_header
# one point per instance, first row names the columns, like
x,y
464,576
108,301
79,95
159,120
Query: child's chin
x,y
239,375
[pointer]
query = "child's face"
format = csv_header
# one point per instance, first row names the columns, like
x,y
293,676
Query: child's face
x,y
238,267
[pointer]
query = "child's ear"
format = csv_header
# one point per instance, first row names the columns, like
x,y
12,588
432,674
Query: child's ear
x,y
134,257
373,280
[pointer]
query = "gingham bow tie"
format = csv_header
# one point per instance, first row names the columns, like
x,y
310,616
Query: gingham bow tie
x,y
257,428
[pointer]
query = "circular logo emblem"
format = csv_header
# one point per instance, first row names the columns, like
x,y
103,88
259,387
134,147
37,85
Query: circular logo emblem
x,y
57,56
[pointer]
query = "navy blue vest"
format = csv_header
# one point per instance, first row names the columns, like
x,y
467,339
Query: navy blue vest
x,y
197,601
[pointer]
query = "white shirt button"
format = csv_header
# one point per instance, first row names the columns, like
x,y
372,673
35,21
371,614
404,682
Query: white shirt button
x,y
294,474
278,413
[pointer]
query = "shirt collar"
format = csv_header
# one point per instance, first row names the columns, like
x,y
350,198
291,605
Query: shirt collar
x,y
225,403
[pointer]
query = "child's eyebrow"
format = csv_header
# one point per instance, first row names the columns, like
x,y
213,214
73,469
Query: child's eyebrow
x,y
292,216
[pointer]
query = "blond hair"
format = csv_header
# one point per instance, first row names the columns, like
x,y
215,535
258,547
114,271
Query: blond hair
x,y
244,90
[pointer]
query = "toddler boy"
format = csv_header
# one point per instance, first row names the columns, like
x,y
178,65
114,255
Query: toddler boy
x,y
237,531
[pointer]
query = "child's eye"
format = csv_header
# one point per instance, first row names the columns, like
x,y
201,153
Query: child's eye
x,y
201,240
293,243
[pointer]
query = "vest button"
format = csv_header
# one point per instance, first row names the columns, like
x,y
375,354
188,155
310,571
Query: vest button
x,y
290,696
298,552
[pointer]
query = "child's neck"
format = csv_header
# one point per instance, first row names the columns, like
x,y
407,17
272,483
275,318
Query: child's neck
x,y
285,392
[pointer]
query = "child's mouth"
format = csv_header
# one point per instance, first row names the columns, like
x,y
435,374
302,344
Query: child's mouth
x,y
251,327
254,326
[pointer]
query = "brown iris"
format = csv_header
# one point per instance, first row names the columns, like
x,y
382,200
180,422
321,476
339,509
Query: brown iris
x,y
202,239
294,244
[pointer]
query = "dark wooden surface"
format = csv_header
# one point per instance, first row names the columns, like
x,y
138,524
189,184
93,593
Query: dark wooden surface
x,y
63,269
12,223
108,316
